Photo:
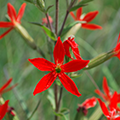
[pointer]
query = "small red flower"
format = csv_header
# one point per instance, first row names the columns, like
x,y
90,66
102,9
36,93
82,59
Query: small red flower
x,y
91,102
14,18
107,94
45,21
88,18
3,109
4,88
57,70
117,48
111,114
70,42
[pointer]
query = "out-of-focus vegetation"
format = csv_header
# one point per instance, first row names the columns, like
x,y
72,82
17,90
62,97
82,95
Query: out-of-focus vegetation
x,y
14,54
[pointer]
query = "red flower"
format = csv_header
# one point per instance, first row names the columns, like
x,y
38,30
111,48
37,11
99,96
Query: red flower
x,y
107,96
74,46
13,17
45,21
3,109
111,114
57,70
91,102
117,48
88,18
4,88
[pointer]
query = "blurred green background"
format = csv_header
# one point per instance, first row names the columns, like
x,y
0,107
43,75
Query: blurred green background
x,y
14,54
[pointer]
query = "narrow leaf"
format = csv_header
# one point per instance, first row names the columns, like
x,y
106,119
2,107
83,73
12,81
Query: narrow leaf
x,y
49,8
47,31
30,1
65,30
81,4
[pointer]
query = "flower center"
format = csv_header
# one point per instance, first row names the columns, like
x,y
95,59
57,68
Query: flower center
x,y
58,69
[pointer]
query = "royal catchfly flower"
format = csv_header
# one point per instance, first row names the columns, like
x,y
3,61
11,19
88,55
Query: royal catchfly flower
x,y
70,42
14,18
111,113
3,109
57,70
4,88
87,18
45,21
107,94
88,103
117,48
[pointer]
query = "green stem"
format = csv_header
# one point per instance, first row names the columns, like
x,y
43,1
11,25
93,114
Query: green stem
x,y
35,109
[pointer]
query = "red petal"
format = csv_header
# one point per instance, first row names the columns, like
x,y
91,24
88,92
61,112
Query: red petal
x,y
59,52
118,98
1,36
91,26
67,46
100,94
11,12
79,13
10,88
3,109
21,12
113,102
69,84
106,88
75,65
45,83
73,16
118,38
89,103
42,64
76,53
118,118
6,24
90,16
6,84
44,20
71,43
103,107
117,48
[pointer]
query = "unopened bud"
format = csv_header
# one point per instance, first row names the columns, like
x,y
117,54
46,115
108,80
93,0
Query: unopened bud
x,y
28,39
99,60
41,5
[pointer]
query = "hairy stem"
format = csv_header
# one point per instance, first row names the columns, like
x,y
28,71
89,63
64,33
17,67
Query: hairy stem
x,y
56,18
47,16
66,15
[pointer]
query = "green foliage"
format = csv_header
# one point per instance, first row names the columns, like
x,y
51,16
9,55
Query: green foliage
x,y
30,1
66,29
80,4
47,31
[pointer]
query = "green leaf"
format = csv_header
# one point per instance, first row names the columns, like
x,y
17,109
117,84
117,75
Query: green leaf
x,y
61,115
49,8
51,97
30,1
81,4
64,110
65,30
47,31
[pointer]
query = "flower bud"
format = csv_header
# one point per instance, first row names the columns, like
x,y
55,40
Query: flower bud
x,y
28,39
99,60
41,5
